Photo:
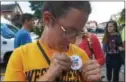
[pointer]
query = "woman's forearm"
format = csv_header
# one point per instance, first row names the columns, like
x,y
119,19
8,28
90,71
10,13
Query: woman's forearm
x,y
48,76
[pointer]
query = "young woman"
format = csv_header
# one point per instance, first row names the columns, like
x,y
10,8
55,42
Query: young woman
x,y
112,46
90,44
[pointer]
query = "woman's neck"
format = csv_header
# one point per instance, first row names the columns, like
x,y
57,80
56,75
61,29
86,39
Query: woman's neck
x,y
45,40
113,33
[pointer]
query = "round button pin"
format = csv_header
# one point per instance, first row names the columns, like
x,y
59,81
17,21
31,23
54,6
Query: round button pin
x,y
76,62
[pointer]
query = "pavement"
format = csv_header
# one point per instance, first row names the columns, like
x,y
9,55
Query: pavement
x,y
121,75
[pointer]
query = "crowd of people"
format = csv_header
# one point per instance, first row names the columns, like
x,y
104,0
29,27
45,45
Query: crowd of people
x,y
66,51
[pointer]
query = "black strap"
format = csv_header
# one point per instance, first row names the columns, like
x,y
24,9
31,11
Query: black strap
x,y
46,57
43,52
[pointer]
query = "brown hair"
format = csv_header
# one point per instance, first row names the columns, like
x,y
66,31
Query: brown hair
x,y
106,35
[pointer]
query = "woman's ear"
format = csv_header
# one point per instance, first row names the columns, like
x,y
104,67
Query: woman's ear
x,y
47,18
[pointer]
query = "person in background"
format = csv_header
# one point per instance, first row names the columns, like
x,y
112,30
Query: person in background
x,y
113,45
91,45
23,35
48,59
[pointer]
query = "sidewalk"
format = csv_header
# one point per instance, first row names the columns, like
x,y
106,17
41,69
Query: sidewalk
x,y
121,78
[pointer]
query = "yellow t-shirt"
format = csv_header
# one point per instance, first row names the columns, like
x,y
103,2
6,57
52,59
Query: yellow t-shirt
x,y
27,63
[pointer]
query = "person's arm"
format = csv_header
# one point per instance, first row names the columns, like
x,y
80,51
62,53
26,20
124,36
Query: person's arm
x,y
48,76
120,43
98,52
91,70
14,70
59,63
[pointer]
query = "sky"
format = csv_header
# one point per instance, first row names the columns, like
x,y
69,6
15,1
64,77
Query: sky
x,y
101,11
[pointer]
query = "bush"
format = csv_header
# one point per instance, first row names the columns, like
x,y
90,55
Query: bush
x,y
38,30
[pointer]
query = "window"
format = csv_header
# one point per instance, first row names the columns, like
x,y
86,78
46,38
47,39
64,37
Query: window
x,y
8,31
14,29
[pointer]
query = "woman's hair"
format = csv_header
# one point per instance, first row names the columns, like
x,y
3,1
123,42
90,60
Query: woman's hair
x,y
60,8
106,35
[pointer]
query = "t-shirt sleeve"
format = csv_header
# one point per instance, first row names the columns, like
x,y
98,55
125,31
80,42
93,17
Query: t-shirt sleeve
x,y
14,70
26,38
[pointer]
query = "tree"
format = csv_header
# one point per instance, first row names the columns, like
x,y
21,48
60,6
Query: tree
x,y
122,17
121,20
36,6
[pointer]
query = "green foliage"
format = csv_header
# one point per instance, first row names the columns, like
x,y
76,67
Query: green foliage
x,y
121,20
36,6
38,30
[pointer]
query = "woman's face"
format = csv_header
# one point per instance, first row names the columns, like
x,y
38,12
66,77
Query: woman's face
x,y
111,28
64,31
